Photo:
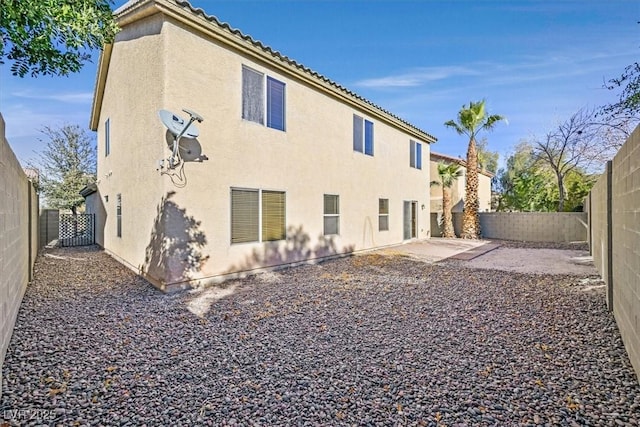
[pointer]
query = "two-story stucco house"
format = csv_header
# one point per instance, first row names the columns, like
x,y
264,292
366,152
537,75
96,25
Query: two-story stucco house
x,y
288,166
458,188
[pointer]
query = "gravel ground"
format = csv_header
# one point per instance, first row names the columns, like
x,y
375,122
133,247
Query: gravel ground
x,y
367,340
517,244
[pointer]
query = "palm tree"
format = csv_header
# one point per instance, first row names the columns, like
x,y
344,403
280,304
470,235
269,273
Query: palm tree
x,y
471,120
448,174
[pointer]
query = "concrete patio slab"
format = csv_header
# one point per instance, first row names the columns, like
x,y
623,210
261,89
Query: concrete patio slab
x,y
438,249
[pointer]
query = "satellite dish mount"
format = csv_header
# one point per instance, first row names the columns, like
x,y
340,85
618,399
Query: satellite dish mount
x,y
179,128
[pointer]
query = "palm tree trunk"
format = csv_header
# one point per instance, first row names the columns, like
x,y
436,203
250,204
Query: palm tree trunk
x,y
470,218
447,217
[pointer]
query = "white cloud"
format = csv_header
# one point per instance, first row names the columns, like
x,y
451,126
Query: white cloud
x,y
65,97
417,77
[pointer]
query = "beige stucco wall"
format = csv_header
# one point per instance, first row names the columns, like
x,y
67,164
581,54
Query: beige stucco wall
x,y
133,93
165,65
458,190
18,239
484,193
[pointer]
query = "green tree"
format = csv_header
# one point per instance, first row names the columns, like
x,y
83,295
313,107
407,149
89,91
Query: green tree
x,y
526,184
487,159
448,173
574,144
472,119
53,37
579,185
522,186
66,165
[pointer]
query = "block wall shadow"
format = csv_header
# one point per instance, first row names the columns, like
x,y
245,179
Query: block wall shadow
x,y
174,253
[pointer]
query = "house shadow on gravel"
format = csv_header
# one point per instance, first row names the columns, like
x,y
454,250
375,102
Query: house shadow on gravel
x,y
173,254
297,248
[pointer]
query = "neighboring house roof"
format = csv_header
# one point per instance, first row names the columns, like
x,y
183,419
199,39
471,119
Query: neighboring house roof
x,y
443,157
32,174
181,10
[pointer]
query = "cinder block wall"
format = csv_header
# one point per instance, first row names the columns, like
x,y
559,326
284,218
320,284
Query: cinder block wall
x,y
49,226
17,247
598,217
534,226
625,213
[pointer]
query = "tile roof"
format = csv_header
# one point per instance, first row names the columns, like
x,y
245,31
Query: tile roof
x,y
279,56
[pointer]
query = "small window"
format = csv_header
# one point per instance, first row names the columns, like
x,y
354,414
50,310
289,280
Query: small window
x,y
383,214
119,215
331,214
362,135
244,216
107,137
254,108
415,155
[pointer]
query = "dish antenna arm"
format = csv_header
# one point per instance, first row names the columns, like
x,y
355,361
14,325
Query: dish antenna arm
x,y
193,117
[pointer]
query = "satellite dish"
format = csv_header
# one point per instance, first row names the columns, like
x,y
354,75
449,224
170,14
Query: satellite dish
x,y
177,124
188,148
179,128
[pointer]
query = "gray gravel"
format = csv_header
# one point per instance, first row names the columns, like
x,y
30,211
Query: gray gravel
x,y
367,340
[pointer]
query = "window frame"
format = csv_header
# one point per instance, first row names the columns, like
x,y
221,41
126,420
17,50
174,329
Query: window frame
x,y
264,229
260,212
326,215
383,215
267,102
363,136
415,154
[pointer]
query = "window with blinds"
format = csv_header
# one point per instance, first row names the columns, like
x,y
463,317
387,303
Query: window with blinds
x,y
362,135
415,154
383,214
273,216
257,215
275,104
245,209
331,214
255,88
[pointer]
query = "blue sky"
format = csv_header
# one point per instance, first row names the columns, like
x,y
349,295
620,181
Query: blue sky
x,y
534,61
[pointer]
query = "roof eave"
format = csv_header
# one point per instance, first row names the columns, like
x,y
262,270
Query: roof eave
x,y
101,80
198,20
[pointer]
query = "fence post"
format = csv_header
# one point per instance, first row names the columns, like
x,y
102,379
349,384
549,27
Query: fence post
x,y
609,173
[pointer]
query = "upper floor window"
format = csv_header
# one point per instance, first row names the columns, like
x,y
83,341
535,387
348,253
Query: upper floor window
x,y
255,89
107,137
362,135
415,155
